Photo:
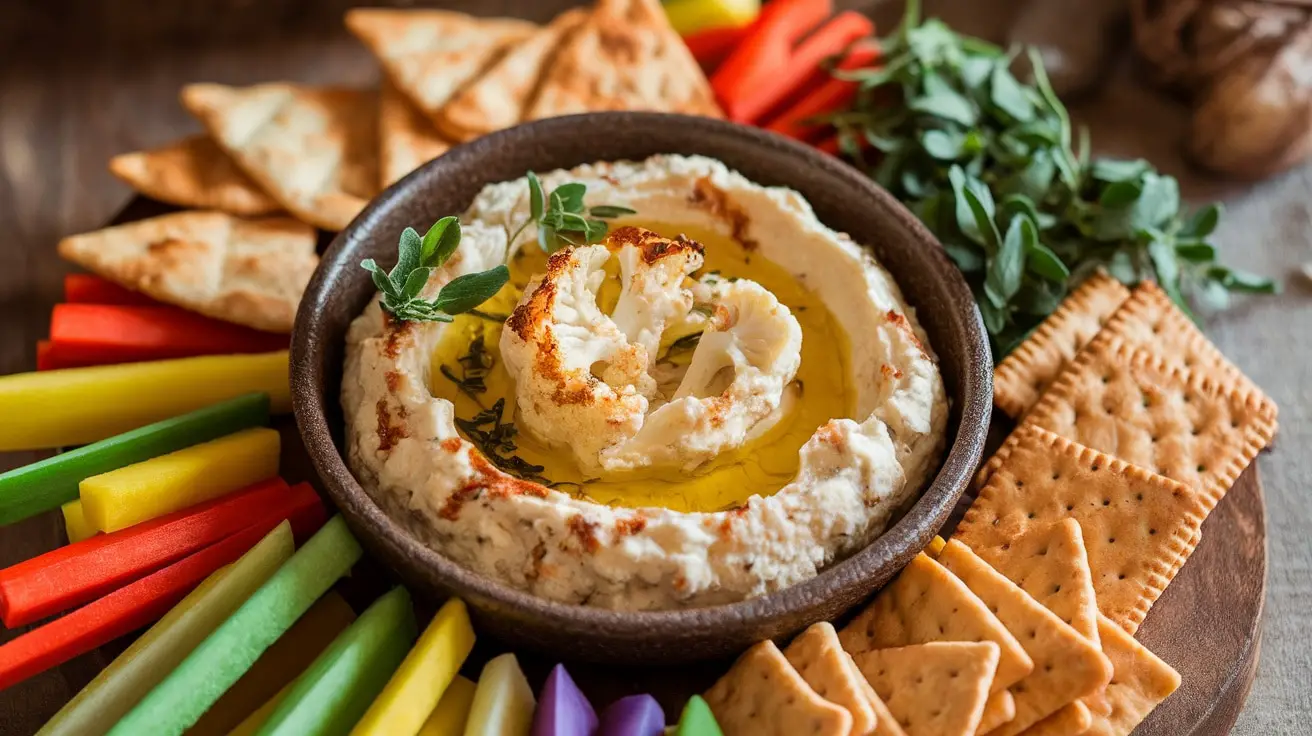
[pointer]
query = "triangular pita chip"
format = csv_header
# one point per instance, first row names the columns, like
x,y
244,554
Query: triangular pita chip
x,y
934,689
624,57
998,709
431,54
406,140
251,272
1141,682
193,172
926,603
497,99
314,149
1067,666
820,660
762,695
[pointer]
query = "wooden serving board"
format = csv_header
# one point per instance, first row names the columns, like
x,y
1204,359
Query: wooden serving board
x,y
1208,623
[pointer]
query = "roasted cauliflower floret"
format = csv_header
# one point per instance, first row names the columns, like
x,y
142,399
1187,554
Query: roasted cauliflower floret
x,y
584,380
738,378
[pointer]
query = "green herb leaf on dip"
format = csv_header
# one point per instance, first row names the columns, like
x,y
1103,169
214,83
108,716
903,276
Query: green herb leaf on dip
x,y
561,217
416,260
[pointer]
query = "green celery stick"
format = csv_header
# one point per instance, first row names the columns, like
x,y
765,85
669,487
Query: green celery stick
x,y
219,661
49,483
151,657
336,690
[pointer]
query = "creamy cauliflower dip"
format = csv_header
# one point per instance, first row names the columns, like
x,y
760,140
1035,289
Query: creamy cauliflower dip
x,y
716,400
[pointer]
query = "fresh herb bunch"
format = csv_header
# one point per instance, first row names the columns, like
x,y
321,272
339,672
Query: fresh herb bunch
x,y
561,217
987,163
419,257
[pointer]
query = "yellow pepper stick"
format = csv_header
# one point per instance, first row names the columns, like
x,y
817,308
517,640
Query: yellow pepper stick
x,y
503,703
162,485
452,711
75,522
81,405
691,16
278,666
417,685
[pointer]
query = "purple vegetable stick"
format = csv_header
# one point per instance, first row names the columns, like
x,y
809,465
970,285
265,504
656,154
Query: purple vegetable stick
x,y
636,715
563,709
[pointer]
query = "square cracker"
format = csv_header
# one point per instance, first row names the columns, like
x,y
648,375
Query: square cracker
x,y
1022,377
1072,719
762,695
998,709
406,139
820,660
497,98
1138,527
314,149
251,272
625,56
431,54
926,603
933,689
1067,666
1140,681
1198,426
193,172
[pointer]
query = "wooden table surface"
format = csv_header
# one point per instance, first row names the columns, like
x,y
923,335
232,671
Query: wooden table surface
x,y
81,80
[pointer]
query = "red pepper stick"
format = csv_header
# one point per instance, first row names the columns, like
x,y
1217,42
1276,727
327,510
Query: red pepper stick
x,y
829,96
829,145
712,46
51,356
121,612
749,102
69,576
84,288
84,333
768,46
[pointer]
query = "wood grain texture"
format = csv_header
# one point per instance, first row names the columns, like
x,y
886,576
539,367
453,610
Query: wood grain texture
x,y
81,80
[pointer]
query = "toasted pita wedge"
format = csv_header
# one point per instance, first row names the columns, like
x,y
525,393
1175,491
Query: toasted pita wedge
x,y
251,272
314,149
497,99
406,139
431,54
624,57
193,172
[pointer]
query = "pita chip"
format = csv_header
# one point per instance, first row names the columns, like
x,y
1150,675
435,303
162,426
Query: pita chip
x,y
193,172
314,149
820,660
431,54
251,272
624,57
926,603
406,140
933,689
497,99
762,695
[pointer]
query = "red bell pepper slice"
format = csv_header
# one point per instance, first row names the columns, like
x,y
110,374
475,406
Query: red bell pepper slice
x,y
768,45
121,612
712,46
98,334
829,96
77,573
84,288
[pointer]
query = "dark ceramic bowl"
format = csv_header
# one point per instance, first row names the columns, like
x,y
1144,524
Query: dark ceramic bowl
x,y
843,198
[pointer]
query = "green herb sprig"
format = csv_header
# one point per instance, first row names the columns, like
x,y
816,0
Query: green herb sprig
x,y
419,257
561,217
989,164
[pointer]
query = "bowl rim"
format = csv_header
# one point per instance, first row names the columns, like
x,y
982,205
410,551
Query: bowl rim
x,y
940,494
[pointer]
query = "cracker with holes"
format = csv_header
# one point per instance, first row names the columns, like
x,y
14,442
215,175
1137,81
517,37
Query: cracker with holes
x,y
1199,427
820,660
1022,377
1067,666
998,709
762,695
251,272
1072,719
1138,527
926,603
1140,682
933,689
